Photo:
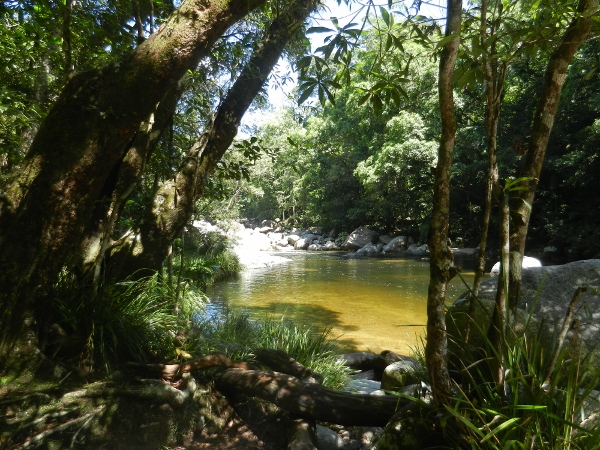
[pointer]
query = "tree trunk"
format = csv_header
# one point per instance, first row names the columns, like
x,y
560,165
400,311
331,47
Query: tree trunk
x,y
174,202
99,231
494,75
441,262
47,202
521,203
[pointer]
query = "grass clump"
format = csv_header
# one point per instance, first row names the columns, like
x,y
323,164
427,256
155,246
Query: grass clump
x,y
236,335
128,321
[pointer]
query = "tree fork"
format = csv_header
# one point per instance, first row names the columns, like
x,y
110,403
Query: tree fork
x,y
174,202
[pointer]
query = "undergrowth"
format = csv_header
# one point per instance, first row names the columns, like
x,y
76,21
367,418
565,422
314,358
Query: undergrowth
x,y
547,399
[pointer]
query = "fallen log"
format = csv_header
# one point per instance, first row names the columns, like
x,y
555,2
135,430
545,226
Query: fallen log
x,y
175,371
308,400
280,361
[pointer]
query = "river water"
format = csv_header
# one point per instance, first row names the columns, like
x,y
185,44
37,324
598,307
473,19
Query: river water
x,y
369,304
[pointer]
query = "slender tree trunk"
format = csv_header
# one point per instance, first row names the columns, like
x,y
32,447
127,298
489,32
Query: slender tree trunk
x,y
496,332
441,262
174,202
47,202
556,71
494,74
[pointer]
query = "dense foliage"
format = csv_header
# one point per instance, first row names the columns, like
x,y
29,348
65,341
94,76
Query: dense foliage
x,y
345,166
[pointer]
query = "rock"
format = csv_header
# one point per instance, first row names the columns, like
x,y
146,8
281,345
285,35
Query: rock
x,y
359,238
330,245
292,239
328,439
527,262
265,230
396,245
399,374
302,244
385,239
309,236
315,247
556,286
362,386
368,250
412,430
417,250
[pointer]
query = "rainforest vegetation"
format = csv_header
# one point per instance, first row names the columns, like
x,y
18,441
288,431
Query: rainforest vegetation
x,y
118,124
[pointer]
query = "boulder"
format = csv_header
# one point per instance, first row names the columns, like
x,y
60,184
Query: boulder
x,y
328,439
302,244
396,245
292,239
527,262
385,239
309,236
400,374
417,250
359,238
546,293
330,245
315,247
368,250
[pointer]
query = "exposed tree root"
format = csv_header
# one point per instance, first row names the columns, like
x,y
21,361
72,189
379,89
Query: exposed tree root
x,y
271,403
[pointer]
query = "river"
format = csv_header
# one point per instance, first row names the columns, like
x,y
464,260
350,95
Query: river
x,y
369,303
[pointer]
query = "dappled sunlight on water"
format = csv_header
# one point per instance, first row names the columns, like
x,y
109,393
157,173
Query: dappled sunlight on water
x,y
370,304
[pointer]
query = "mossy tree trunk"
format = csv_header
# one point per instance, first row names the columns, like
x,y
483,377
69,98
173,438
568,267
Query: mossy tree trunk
x,y
554,77
48,201
174,202
441,260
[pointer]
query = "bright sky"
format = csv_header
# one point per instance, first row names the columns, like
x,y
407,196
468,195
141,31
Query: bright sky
x,y
279,94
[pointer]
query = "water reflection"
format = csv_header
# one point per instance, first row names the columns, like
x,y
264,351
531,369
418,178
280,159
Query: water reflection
x,y
370,304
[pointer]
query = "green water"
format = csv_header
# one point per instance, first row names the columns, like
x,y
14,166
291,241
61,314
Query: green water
x,y
370,304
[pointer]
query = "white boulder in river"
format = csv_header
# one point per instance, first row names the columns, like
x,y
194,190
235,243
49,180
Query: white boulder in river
x,y
527,262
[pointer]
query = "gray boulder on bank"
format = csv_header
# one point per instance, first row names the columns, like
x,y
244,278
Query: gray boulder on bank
x,y
396,245
359,238
556,286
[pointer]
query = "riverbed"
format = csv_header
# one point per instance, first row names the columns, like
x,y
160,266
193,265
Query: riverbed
x,y
368,303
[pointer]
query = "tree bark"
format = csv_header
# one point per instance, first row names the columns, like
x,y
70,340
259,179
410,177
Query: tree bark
x,y
97,235
441,260
556,70
45,204
174,202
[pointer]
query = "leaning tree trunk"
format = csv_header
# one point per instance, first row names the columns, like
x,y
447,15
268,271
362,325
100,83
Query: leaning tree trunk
x,y
173,204
47,202
554,78
441,261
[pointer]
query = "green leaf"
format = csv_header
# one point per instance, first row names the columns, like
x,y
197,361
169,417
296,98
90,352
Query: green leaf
x,y
510,423
445,40
305,94
385,15
319,30
465,421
